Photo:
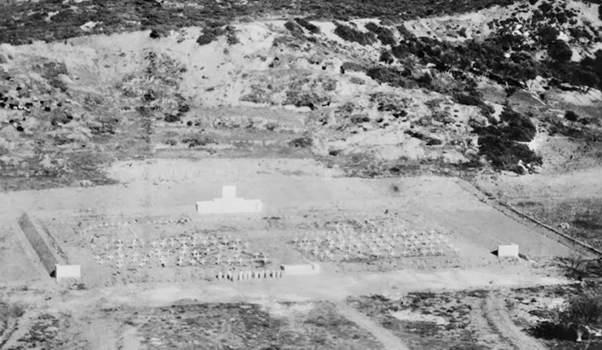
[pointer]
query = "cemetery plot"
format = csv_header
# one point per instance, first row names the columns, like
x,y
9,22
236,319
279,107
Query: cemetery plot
x,y
381,238
138,249
187,246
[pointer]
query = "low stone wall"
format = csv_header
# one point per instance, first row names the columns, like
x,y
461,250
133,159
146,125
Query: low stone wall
x,y
40,246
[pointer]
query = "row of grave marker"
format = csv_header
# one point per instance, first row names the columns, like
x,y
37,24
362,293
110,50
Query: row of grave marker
x,y
249,275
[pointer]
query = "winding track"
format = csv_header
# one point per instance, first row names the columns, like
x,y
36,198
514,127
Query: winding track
x,y
497,317
389,340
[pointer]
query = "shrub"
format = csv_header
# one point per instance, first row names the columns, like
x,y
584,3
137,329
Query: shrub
x,y
584,310
354,35
305,99
404,32
584,77
198,141
232,39
307,25
294,28
505,154
547,34
560,51
468,100
499,143
352,66
386,57
518,127
209,35
157,33
302,142
172,118
388,75
385,35
545,7
571,116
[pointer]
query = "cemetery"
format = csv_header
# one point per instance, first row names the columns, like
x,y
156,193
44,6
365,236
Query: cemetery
x,y
237,240
109,250
308,246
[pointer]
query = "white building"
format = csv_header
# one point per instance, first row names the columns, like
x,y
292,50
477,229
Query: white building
x,y
229,204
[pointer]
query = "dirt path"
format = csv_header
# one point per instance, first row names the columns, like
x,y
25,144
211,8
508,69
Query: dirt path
x,y
499,320
388,339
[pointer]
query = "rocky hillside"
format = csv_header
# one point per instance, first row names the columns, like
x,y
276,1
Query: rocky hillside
x,y
512,88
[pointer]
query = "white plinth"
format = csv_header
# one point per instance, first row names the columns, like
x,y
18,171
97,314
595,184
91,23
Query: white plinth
x,y
226,206
301,270
229,192
510,250
229,204
68,272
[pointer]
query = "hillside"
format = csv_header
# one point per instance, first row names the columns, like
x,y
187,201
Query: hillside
x,y
513,88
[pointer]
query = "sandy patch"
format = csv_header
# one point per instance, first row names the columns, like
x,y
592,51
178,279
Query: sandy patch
x,y
407,315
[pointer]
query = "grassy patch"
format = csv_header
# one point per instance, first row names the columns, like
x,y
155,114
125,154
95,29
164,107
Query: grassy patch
x,y
8,313
425,319
250,326
583,216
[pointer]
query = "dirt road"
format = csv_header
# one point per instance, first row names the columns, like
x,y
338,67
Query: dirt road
x,y
388,339
497,317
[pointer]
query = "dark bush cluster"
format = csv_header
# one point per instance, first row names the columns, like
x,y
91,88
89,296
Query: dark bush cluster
x,y
500,143
198,141
468,100
517,127
353,67
314,29
547,34
22,22
505,154
429,140
391,76
302,142
559,50
294,28
387,57
353,35
385,35
487,59
172,118
157,33
305,99
571,116
209,35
